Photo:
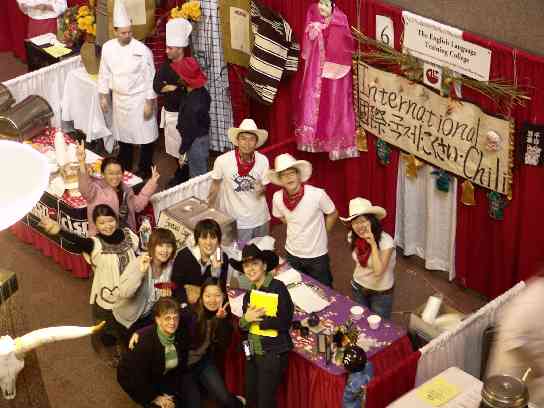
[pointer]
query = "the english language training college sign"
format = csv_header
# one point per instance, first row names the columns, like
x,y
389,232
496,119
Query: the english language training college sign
x,y
444,45
452,136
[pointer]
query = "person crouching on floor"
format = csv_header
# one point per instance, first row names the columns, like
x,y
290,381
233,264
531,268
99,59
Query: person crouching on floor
x,y
268,339
152,373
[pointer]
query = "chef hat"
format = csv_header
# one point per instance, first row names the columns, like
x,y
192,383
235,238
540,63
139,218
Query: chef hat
x,y
177,32
120,15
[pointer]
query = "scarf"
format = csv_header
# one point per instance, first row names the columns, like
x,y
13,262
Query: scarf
x,y
244,167
362,250
291,201
170,352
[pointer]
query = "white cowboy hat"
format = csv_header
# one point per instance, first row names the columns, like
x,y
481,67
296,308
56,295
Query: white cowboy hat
x,y
361,206
286,161
248,125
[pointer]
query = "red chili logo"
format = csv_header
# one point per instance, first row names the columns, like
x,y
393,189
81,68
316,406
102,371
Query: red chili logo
x,y
432,75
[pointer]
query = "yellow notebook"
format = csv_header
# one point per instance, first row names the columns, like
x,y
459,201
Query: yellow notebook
x,y
268,301
437,392
57,51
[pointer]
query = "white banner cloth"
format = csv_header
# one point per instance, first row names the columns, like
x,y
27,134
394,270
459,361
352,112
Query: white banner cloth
x,y
461,347
47,82
426,219
80,103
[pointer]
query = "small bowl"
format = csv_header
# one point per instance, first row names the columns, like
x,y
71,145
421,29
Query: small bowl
x,y
374,321
356,312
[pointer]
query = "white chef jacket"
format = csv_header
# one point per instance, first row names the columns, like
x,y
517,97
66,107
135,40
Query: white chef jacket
x,y
129,71
27,7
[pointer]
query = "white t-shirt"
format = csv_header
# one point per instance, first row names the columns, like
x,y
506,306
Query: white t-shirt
x,y
238,196
306,232
365,276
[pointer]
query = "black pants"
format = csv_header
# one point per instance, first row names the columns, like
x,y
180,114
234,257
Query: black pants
x,y
264,373
318,268
113,333
146,156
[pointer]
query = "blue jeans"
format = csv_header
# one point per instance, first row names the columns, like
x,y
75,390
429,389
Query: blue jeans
x,y
204,373
318,268
197,156
379,302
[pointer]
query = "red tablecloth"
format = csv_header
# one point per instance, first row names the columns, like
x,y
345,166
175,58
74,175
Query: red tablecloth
x,y
307,385
68,260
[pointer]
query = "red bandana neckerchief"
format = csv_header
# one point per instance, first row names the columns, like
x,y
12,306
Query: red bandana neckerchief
x,y
362,250
291,201
244,167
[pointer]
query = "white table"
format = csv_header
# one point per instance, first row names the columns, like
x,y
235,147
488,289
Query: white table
x,y
469,397
80,104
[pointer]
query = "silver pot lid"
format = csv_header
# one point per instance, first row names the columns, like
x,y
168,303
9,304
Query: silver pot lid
x,y
505,391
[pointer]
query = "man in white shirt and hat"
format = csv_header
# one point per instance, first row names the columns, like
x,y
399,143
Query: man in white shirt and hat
x,y
309,214
126,67
239,176
42,15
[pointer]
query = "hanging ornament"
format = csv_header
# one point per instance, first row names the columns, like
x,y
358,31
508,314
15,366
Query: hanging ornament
x,y
497,203
467,195
412,165
493,141
383,151
360,137
443,180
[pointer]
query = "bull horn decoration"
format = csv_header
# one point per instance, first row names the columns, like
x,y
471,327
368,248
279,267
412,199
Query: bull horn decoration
x,y
36,338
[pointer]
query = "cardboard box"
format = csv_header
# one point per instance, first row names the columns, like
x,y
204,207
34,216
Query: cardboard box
x,y
420,327
181,219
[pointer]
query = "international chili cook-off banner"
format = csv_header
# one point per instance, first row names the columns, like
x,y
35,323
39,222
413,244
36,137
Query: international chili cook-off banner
x,y
453,135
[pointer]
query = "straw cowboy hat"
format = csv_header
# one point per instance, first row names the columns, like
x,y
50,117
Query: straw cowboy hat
x,y
286,161
361,206
249,126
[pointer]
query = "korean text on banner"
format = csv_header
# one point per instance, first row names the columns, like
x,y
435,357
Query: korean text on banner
x,y
443,45
455,136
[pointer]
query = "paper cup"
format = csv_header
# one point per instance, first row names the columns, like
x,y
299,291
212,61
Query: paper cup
x,y
356,312
374,321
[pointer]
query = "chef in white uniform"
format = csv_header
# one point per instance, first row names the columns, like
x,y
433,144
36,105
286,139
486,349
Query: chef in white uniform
x,y
127,68
42,15
168,84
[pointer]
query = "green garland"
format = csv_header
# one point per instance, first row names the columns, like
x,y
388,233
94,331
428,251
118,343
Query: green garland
x,y
501,91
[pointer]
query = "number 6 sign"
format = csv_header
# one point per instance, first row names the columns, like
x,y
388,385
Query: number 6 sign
x,y
385,31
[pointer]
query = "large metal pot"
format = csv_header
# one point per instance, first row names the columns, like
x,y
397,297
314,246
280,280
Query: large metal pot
x,y
504,391
26,119
6,98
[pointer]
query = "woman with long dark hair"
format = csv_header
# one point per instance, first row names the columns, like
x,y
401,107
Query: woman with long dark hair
x,y
373,251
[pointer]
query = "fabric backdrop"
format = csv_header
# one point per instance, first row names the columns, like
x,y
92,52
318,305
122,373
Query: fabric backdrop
x,y
490,256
